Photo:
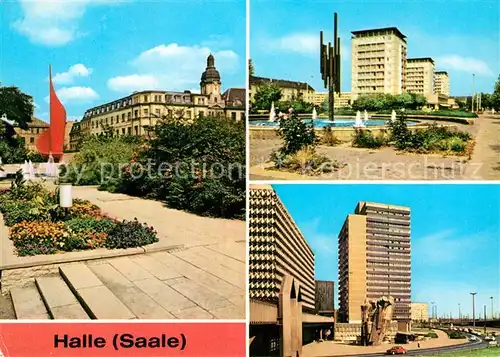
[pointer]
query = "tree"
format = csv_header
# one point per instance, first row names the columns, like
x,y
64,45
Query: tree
x,y
265,96
251,69
16,105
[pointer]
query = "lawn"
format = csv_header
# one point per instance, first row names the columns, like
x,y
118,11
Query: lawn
x,y
486,352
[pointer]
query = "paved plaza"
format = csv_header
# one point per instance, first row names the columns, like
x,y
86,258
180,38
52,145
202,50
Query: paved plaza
x,y
195,271
389,164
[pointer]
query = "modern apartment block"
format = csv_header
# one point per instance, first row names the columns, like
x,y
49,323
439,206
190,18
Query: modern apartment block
x,y
442,83
342,100
139,111
277,248
378,62
375,260
419,311
420,76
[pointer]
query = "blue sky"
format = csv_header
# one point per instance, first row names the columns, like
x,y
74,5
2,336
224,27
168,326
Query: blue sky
x,y
102,50
461,36
455,232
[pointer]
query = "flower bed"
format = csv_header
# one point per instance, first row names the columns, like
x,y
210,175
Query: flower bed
x,y
38,225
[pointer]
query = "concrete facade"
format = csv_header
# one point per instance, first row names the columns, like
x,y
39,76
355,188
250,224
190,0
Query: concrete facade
x,y
442,83
419,311
375,260
378,62
420,76
277,248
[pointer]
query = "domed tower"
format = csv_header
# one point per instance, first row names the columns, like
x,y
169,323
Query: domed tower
x,y
210,82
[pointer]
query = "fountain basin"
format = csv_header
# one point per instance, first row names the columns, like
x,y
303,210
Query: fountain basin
x,y
337,123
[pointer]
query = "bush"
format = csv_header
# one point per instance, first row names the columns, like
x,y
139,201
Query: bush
x,y
431,334
129,234
16,212
364,138
329,138
98,161
197,166
31,238
296,134
307,161
456,335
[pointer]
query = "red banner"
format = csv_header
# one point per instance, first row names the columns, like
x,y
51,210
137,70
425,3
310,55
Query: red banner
x,y
123,339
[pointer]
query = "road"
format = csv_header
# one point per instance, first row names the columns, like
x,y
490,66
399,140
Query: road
x,y
430,351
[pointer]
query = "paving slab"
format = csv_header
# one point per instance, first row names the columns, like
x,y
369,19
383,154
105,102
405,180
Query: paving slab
x,y
230,312
203,297
79,276
141,304
211,282
214,268
131,270
109,275
28,303
156,268
224,260
59,300
100,303
164,295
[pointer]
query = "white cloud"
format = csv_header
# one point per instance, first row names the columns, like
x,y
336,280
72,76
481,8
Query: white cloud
x,y
464,64
172,67
301,43
133,82
77,70
75,94
55,22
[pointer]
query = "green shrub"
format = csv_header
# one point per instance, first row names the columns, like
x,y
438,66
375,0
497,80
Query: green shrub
x,y
456,335
364,138
129,234
16,212
181,166
296,134
99,160
89,233
431,334
308,161
329,138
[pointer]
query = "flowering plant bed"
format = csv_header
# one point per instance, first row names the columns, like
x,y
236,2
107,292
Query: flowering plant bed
x,y
38,225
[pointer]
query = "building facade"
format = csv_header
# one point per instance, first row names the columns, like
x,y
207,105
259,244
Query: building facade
x,y
137,113
375,260
325,297
342,100
442,83
378,62
290,90
420,76
277,248
30,135
419,312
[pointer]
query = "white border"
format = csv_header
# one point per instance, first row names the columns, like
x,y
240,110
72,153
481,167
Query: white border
x,y
247,193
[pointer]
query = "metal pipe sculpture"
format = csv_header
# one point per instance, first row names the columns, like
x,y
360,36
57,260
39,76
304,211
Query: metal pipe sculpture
x,y
379,313
330,65
51,142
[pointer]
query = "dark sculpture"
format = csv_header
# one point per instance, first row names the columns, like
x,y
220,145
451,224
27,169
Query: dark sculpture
x,y
330,66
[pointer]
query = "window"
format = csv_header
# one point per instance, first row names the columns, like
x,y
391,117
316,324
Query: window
x,y
129,114
32,140
123,131
123,117
146,112
146,99
136,113
136,129
215,99
233,116
111,120
129,131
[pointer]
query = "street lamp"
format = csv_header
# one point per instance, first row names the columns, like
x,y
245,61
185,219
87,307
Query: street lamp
x,y
473,310
459,313
492,311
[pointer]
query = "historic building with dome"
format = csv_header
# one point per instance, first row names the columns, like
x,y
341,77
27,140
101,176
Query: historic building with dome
x,y
139,111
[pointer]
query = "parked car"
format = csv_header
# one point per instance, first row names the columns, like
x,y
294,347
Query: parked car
x,y
396,350
489,338
493,343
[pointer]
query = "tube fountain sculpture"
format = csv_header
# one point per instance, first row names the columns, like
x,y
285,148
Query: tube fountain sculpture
x,y
358,122
272,113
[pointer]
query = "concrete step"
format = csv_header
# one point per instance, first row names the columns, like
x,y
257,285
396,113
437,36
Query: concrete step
x,y
59,300
98,301
28,304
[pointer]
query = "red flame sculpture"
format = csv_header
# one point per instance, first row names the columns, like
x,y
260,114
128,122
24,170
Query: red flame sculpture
x,y
51,142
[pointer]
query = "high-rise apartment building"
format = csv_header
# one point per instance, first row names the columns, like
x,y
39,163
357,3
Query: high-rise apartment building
x,y
277,248
442,83
419,312
374,260
420,76
378,62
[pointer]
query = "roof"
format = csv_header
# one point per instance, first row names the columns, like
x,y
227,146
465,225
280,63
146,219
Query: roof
x,y
235,96
420,59
389,29
280,83
37,123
